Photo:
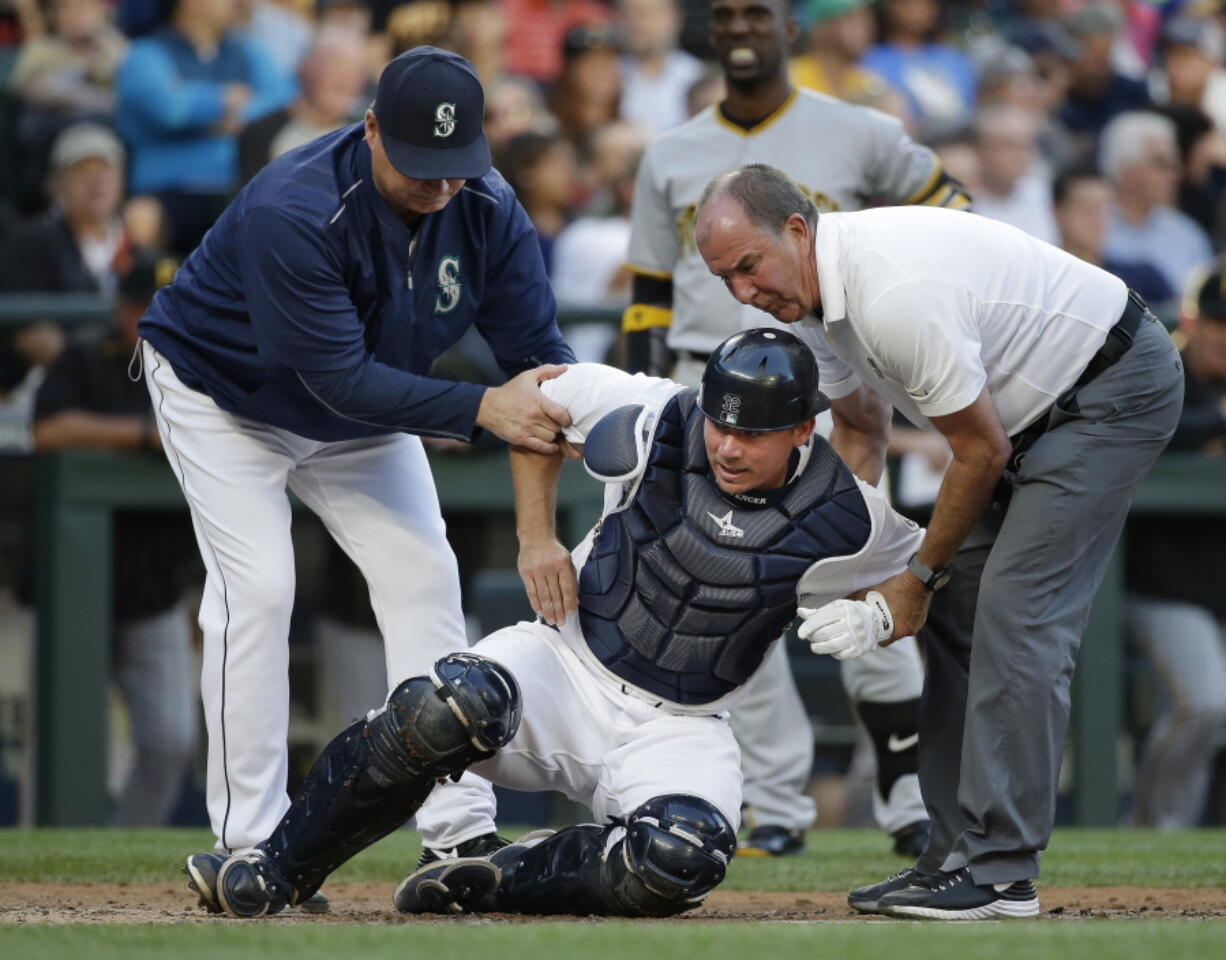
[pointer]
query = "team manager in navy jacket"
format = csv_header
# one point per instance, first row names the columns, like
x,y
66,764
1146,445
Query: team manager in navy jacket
x,y
293,349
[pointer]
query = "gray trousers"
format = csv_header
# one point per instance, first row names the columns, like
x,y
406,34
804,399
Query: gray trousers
x,y
1002,637
1187,647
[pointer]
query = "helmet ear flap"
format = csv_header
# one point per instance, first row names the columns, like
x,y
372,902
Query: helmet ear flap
x,y
761,379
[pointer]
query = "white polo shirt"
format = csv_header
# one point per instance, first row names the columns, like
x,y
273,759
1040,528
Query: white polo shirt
x,y
927,306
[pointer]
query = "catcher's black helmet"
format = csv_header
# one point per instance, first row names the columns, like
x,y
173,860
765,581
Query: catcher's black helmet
x,y
760,379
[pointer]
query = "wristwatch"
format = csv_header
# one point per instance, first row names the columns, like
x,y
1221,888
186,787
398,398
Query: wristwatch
x,y
932,579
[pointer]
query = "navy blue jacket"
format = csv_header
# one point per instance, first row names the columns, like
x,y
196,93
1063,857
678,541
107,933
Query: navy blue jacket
x,y
310,306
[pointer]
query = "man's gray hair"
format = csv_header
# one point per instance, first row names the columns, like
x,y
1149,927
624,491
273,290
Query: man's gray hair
x,y
1126,137
768,197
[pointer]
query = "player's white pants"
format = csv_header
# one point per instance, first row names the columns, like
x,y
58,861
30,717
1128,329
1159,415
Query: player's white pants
x,y
580,735
376,496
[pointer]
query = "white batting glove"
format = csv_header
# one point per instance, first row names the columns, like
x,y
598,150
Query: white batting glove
x,y
847,629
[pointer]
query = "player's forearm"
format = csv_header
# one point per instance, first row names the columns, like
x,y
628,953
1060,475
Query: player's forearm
x,y
535,478
79,429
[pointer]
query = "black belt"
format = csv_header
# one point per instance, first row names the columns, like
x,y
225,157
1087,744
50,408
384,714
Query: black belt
x,y
1119,339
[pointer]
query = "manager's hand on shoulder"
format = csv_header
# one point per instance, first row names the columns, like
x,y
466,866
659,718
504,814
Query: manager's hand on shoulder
x,y
520,414
847,629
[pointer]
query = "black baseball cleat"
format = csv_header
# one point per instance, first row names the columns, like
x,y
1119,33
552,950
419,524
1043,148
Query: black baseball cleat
x,y
201,870
867,899
912,840
481,846
448,886
251,885
316,904
772,842
955,896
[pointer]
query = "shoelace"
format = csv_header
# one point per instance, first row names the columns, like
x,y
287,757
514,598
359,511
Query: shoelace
x,y
942,881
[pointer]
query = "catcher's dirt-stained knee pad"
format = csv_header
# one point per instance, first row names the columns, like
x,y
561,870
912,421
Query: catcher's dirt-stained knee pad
x,y
440,725
676,850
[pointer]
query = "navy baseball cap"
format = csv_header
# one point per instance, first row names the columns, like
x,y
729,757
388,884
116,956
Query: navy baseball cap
x,y
430,108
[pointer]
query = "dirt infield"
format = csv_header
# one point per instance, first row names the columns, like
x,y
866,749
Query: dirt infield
x,y
124,903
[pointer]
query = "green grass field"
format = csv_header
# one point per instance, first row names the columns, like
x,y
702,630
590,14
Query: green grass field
x,y
834,861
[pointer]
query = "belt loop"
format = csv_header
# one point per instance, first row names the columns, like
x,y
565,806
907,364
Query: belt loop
x,y
137,361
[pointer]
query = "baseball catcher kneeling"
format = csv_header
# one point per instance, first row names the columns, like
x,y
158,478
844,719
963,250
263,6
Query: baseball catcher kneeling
x,y
724,516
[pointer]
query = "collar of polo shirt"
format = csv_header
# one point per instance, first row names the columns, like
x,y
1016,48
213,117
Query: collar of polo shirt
x,y
828,250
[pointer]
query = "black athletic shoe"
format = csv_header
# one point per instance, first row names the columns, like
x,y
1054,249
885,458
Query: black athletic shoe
x,y
448,886
866,899
252,886
955,896
201,870
772,842
911,840
481,846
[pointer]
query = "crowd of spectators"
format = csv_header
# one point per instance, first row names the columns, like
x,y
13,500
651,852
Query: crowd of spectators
x,y
127,125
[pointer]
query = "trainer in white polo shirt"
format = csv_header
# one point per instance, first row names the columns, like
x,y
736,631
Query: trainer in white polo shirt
x,y
1030,362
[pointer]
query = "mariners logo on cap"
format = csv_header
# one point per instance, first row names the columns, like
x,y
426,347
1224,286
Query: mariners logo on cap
x,y
444,120
730,409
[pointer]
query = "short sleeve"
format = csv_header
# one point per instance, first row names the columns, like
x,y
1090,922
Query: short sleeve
x,y
654,245
590,390
900,171
835,378
925,337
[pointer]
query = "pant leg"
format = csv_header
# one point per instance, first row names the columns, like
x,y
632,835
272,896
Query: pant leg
x,y
776,743
1187,648
946,639
377,498
1070,499
153,671
233,474
884,688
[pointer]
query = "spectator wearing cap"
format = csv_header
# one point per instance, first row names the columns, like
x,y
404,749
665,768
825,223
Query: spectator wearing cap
x,y
185,92
1013,189
1140,157
1193,52
536,29
1097,91
937,80
840,33
655,74
1082,200
87,401
331,85
73,248
293,350
1176,606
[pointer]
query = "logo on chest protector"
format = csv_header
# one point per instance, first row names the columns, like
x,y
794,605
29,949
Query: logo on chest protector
x,y
449,286
726,527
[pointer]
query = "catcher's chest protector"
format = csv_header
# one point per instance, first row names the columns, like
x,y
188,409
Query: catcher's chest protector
x,y
684,589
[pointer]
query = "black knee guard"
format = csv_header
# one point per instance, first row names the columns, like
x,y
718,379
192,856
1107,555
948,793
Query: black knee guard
x,y
675,850
376,774
894,729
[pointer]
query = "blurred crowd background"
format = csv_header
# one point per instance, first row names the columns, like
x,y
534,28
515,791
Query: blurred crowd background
x,y
127,125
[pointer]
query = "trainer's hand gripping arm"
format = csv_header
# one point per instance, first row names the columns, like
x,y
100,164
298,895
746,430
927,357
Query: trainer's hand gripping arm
x,y
847,629
523,416
544,563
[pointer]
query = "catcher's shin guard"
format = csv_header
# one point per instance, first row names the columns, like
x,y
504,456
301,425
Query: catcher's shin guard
x,y
674,852
375,775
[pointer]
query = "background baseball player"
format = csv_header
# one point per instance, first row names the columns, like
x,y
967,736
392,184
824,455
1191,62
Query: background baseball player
x,y
292,350
844,157
723,510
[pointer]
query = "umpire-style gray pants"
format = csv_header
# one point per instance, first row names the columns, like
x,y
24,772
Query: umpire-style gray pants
x,y
1002,637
